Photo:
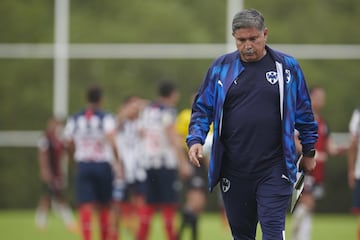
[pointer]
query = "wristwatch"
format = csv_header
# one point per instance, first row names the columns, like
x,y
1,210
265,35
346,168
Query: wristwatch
x,y
310,153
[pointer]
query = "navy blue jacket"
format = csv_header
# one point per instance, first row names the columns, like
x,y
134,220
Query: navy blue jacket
x,y
295,108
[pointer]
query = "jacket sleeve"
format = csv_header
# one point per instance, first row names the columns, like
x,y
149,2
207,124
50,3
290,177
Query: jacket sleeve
x,y
304,120
202,109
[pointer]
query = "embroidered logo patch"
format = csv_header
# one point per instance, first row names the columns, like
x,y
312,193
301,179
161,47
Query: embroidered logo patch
x,y
225,184
272,77
287,75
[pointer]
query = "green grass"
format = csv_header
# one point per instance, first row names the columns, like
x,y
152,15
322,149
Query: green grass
x,y
19,225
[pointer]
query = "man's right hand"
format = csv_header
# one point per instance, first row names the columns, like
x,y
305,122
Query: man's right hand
x,y
196,154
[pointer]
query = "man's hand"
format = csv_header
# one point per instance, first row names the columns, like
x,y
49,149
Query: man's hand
x,y
307,164
196,154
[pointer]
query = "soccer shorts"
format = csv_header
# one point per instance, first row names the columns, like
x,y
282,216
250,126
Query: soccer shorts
x,y
94,182
162,186
314,188
356,198
128,191
198,179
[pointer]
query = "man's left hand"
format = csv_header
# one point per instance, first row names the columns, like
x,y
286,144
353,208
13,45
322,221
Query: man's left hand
x,y
307,164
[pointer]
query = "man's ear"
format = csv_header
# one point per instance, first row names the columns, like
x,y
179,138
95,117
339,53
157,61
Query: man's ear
x,y
266,31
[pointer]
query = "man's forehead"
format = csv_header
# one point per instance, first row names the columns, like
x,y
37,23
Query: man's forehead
x,y
247,32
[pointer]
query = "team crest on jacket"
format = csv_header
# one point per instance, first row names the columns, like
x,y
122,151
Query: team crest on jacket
x,y
287,75
225,184
272,77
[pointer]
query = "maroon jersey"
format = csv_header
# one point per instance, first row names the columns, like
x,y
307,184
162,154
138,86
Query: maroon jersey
x,y
321,153
54,147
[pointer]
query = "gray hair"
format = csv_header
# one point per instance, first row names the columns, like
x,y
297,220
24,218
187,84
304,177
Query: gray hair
x,y
248,18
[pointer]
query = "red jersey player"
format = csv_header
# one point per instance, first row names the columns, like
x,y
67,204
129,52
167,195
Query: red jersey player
x,y
314,181
50,157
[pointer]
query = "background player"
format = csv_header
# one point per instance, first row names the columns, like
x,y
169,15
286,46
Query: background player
x,y
354,164
163,149
128,193
195,184
91,135
51,159
314,181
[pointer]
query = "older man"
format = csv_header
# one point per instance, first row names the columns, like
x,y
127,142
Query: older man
x,y
255,97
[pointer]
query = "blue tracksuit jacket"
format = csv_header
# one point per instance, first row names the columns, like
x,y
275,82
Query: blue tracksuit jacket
x,y
295,108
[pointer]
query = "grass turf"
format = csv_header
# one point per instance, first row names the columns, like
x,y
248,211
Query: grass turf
x,y
19,224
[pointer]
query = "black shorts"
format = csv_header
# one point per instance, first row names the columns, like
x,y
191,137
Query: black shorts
x,y
162,186
94,182
356,198
198,179
124,193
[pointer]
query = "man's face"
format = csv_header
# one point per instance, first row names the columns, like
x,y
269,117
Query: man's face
x,y
250,42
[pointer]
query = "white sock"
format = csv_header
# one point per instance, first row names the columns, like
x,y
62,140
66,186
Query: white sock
x,y
55,206
301,225
66,214
305,229
41,218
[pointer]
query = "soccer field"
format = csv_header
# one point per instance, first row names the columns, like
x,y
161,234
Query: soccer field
x,y
19,225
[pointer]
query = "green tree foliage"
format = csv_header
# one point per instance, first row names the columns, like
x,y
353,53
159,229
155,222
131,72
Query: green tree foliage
x,y
26,21
321,22
144,21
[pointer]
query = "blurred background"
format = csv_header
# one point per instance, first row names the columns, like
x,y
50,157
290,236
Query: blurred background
x,y
50,51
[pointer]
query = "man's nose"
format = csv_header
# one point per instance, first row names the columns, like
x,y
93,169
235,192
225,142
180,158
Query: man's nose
x,y
248,44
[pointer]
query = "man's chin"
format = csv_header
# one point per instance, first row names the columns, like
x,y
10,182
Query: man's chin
x,y
248,58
